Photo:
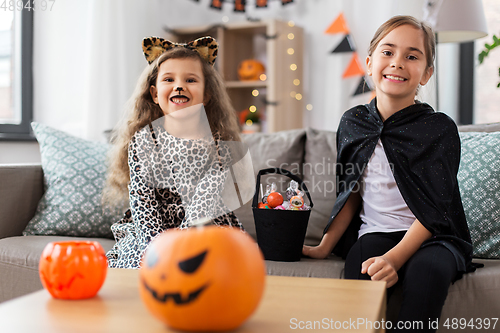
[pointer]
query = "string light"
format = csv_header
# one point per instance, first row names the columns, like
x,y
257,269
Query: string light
x,y
249,122
291,36
293,67
290,51
291,24
296,82
255,93
309,107
298,97
263,77
252,108
293,94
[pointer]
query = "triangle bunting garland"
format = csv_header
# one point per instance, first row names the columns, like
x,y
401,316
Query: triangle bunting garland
x,y
355,67
338,26
239,5
363,87
344,46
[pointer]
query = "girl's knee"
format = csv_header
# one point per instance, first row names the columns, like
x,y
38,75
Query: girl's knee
x,y
434,264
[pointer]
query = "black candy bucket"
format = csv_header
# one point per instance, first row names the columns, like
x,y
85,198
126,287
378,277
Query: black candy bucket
x,y
280,233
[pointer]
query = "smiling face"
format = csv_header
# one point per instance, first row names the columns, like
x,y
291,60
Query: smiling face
x,y
398,65
180,84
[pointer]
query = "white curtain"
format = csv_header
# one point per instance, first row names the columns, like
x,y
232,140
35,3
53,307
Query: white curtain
x,y
87,59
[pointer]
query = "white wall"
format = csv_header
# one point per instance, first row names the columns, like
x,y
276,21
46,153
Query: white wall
x,y
87,56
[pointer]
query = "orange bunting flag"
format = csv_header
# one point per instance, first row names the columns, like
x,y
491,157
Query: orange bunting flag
x,y
355,68
338,26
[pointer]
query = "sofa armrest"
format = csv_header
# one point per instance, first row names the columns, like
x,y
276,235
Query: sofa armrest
x,y
20,190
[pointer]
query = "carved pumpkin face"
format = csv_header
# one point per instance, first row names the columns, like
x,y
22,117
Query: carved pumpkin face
x,y
73,269
250,70
208,278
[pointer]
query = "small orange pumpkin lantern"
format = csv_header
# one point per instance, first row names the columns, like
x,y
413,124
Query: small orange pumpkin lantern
x,y
73,269
202,279
250,70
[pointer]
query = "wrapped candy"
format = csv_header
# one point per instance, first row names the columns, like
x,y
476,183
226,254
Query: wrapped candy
x,y
263,206
269,189
272,199
292,190
305,207
296,202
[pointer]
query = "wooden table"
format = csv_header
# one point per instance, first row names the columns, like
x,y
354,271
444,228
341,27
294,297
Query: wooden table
x,y
289,304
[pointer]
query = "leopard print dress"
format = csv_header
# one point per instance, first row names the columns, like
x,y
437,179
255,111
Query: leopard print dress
x,y
173,182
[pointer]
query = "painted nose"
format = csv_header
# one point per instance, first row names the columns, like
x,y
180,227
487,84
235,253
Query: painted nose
x,y
179,89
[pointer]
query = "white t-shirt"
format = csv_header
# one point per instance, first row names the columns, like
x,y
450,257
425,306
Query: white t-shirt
x,y
384,209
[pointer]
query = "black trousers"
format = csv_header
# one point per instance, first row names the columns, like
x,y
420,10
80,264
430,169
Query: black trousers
x,y
424,279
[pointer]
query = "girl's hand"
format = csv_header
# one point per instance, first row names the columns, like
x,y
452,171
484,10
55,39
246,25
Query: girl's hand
x,y
316,252
380,269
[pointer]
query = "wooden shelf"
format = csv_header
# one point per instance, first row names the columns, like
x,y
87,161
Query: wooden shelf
x,y
246,84
278,45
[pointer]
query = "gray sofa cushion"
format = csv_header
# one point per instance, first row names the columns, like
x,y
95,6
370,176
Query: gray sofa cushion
x,y
476,295
319,175
19,257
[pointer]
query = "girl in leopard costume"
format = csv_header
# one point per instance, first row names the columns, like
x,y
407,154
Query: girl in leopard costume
x,y
173,169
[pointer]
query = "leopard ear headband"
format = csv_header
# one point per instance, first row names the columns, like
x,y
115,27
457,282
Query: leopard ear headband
x,y
206,47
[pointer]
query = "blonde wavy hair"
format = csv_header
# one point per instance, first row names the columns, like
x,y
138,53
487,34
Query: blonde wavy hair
x,y
142,110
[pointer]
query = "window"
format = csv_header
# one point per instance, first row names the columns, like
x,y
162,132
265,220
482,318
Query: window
x,y
16,97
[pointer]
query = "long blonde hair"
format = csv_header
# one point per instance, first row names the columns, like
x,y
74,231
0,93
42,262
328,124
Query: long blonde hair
x,y
142,110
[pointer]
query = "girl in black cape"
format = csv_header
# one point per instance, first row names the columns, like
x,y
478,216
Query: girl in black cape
x,y
398,216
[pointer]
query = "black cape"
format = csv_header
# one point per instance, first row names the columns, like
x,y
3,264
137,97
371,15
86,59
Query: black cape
x,y
423,147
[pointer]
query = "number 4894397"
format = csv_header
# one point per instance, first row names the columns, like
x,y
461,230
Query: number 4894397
x,y
29,5
474,323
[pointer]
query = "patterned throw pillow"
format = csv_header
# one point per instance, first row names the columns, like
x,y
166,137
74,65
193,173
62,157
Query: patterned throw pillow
x,y
479,182
74,175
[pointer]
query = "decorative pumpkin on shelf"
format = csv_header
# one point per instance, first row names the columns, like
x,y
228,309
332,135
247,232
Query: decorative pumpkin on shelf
x,y
73,269
202,279
250,121
250,70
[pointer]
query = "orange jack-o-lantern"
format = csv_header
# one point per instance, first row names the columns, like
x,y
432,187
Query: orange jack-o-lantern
x,y
202,279
73,269
250,70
